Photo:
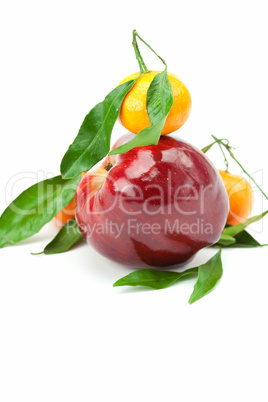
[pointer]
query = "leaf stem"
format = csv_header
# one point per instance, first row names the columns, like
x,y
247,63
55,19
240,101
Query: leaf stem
x,y
229,149
244,170
223,153
142,65
207,148
135,34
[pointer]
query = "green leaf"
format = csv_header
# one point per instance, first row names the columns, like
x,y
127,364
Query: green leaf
x,y
226,240
208,275
92,142
244,239
207,148
241,240
159,102
159,99
217,140
148,136
68,235
33,208
234,230
153,278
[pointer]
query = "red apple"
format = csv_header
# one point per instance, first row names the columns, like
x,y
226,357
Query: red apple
x,y
152,206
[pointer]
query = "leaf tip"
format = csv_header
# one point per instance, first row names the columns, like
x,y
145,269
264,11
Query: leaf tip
x,y
112,152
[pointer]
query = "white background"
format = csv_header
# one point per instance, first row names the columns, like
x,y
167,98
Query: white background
x,y
65,333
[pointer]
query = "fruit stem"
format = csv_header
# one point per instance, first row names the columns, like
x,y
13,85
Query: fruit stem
x,y
207,148
142,65
135,33
223,153
108,166
229,149
143,68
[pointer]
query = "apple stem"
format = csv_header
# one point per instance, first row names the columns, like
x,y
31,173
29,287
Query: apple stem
x,y
108,166
143,68
229,149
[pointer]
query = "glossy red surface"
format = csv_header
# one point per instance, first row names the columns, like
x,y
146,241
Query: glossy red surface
x,y
157,206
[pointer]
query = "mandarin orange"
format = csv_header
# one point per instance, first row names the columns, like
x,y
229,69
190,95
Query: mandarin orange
x,y
241,197
68,212
133,114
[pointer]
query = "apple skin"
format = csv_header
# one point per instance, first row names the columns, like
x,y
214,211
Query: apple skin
x,y
157,206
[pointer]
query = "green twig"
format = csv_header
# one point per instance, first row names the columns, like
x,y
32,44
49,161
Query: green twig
x,y
135,33
143,68
142,65
207,148
229,149
219,142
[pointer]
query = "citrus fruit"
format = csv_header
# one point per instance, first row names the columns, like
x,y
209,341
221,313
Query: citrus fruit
x,y
240,195
68,212
133,115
